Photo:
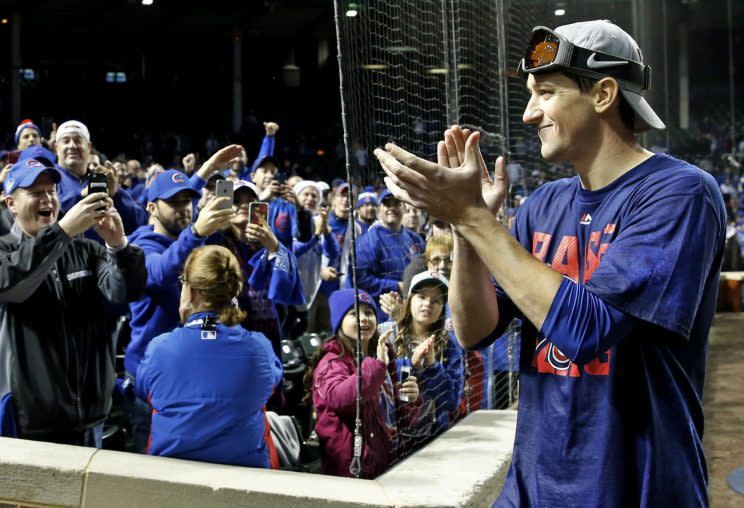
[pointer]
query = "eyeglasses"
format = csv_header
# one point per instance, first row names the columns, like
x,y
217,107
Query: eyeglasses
x,y
549,51
436,261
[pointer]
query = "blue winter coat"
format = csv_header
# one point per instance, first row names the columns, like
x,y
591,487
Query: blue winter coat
x,y
382,255
207,389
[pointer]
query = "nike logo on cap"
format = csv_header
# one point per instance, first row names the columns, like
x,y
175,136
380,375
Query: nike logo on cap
x,y
593,63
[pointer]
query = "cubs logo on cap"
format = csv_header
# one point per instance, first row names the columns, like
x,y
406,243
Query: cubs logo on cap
x,y
24,174
169,183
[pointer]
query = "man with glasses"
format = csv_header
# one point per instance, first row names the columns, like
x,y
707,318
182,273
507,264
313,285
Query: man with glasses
x,y
614,273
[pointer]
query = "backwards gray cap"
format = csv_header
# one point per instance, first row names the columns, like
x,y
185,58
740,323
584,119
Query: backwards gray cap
x,y
602,35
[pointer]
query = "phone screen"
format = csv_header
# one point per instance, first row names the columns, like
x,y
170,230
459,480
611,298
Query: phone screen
x,y
225,188
13,156
258,210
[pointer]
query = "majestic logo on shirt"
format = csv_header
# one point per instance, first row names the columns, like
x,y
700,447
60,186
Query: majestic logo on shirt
x,y
586,219
547,358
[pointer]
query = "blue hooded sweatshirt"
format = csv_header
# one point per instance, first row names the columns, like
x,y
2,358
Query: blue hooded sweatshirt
x,y
157,311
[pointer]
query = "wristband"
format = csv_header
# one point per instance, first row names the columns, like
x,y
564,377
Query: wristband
x,y
192,227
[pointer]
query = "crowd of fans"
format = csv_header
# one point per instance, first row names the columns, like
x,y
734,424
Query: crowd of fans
x,y
207,296
206,279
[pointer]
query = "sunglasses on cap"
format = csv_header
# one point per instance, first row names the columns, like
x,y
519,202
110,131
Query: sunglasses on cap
x,y
549,51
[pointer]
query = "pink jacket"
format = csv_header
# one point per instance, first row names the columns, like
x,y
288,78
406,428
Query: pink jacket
x,y
383,413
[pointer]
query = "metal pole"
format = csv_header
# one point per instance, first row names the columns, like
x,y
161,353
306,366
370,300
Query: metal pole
x,y
684,79
665,60
15,67
237,84
355,467
730,26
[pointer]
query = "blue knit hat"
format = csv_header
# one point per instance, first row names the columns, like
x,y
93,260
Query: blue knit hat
x,y
367,196
341,301
26,124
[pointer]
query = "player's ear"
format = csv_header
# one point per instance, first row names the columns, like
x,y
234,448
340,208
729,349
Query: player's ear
x,y
605,93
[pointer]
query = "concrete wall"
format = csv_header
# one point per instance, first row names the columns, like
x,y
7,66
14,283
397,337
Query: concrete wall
x,y
464,467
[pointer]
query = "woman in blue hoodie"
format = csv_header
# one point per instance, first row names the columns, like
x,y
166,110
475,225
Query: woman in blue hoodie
x,y
208,381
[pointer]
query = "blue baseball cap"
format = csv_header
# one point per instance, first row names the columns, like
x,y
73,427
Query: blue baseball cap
x,y
37,152
386,194
24,174
169,183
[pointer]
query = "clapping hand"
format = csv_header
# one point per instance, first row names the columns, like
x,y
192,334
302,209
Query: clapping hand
x,y
423,355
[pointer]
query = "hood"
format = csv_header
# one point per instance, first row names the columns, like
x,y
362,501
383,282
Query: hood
x,y
145,237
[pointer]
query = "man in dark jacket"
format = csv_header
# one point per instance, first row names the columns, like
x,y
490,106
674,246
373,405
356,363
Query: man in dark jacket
x,y
56,348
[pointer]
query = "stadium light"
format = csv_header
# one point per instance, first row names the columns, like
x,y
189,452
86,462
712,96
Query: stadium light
x,y
4,21
560,12
351,13
147,2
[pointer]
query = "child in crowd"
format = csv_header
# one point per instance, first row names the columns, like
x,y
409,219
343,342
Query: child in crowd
x,y
331,382
208,381
423,342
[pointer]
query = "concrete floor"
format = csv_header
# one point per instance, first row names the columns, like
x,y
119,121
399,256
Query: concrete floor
x,y
723,403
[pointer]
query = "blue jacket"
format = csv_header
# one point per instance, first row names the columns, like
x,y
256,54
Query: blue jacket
x,y
207,387
267,149
132,214
382,255
157,311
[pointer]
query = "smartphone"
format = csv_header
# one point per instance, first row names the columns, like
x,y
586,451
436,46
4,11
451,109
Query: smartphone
x,y
13,156
280,177
258,210
97,182
225,189
405,371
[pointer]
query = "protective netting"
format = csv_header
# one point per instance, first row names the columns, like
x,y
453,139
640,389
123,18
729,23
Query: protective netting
x,y
410,69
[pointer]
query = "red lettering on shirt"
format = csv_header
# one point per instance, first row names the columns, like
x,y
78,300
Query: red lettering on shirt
x,y
566,259
547,358
540,245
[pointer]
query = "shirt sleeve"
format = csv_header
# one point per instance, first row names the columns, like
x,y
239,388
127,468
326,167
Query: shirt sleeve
x,y
582,325
657,266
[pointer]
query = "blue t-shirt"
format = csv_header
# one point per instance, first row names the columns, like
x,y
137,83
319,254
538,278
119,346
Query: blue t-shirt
x,y
625,428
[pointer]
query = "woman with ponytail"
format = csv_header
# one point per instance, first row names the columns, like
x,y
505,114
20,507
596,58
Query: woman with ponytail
x,y
208,381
